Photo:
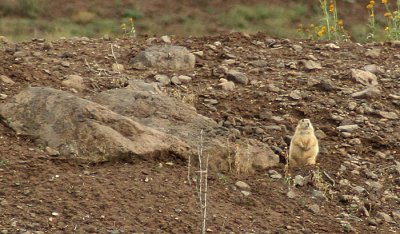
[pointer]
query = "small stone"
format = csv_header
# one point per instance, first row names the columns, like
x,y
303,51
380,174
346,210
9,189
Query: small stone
x,y
274,174
116,67
347,227
297,48
358,189
314,208
74,81
65,64
318,194
374,53
227,86
19,54
374,185
48,45
245,193
298,180
364,77
371,175
386,217
3,203
388,115
296,94
373,69
55,214
332,46
199,53
6,80
348,128
352,105
291,194
162,79
52,152
184,79
355,141
320,134
370,92
3,96
237,77
175,80
311,65
166,39
242,185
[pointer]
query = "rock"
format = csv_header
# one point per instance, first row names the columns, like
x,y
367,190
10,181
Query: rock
x,y
388,115
320,134
298,180
227,86
237,77
311,65
90,133
386,217
355,141
242,185
275,175
116,67
358,189
348,128
184,79
175,80
6,80
352,105
162,79
374,53
373,69
374,185
166,39
364,77
296,94
370,92
65,64
172,116
75,82
165,57
332,46
246,193
3,96
314,208
297,48
291,194
51,151
3,203
396,214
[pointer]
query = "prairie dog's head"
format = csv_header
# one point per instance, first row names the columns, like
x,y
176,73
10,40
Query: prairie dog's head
x,y
304,124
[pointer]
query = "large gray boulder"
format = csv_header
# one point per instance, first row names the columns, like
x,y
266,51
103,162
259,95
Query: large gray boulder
x,y
171,116
165,57
84,130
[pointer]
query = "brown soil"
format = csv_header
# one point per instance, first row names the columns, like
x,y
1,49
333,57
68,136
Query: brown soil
x,y
154,196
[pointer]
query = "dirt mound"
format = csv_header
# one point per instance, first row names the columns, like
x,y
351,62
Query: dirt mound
x,y
355,187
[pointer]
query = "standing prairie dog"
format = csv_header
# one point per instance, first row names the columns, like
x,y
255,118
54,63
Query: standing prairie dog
x,y
304,146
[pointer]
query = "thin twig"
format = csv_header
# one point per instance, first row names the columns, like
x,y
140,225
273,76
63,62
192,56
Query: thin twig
x,y
112,52
188,174
205,197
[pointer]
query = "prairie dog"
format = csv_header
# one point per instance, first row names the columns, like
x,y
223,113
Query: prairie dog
x,y
304,146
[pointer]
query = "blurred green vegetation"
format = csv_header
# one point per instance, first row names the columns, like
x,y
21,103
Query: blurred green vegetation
x,y
26,19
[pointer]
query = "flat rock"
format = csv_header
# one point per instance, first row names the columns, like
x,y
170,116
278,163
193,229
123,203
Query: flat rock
x,y
348,128
237,77
84,130
6,80
373,53
373,69
364,77
165,57
370,92
74,81
388,115
242,185
311,65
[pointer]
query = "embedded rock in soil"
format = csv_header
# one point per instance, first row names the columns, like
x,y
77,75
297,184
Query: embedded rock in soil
x,y
364,77
172,116
84,130
165,57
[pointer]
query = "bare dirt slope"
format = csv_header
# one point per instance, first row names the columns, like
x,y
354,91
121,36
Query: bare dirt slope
x,y
355,188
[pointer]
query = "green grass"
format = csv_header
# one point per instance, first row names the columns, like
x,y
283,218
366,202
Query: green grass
x,y
275,20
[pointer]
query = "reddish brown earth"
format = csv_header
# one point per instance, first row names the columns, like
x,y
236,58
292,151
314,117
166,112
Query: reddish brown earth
x,y
155,197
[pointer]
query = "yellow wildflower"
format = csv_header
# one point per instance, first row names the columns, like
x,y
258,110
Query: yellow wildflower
x,y
331,7
333,29
371,5
388,14
123,26
387,28
384,1
340,22
322,32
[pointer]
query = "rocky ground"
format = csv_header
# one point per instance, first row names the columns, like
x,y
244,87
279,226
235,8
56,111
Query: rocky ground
x,y
254,86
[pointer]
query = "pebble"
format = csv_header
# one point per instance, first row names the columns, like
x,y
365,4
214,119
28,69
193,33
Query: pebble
x,y
3,96
6,80
291,194
162,79
314,208
274,174
52,152
358,189
237,77
3,203
246,193
311,65
227,86
242,185
348,128
166,39
298,180
370,92
116,67
386,217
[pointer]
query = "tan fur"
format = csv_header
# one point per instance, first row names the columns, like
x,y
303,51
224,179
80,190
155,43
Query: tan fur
x,y
304,146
